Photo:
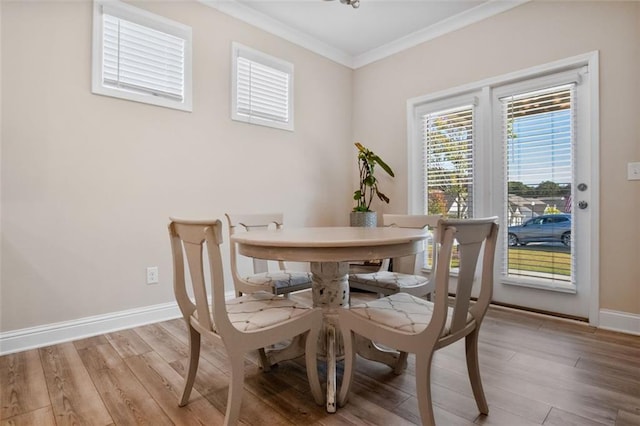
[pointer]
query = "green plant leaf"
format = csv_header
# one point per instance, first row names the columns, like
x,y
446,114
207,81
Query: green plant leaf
x,y
384,165
382,197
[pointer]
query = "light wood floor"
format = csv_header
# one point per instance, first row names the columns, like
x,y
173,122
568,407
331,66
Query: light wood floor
x,y
536,370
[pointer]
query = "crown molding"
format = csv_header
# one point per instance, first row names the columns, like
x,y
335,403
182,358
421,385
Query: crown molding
x,y
456,22
270,25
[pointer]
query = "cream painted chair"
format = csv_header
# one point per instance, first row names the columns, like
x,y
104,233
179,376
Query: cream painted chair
x,y
282,281
404,276
415,325
243,324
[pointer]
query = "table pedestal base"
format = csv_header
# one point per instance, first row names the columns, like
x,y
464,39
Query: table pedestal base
x,y
331,292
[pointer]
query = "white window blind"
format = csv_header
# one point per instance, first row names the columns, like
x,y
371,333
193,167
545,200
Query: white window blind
x,y
142,59
448,161
537,128
262,89
538,134
141,56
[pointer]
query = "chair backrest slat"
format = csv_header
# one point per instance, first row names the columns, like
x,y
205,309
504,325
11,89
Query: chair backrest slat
x,y
248,223
188,240
472,235
409,264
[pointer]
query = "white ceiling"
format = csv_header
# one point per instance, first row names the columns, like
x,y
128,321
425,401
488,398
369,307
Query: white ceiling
x,y
356,37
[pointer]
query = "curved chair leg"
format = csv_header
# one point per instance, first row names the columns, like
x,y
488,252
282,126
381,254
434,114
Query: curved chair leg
x,y
236,387
349,364
194,358
311,360
473,367
423,388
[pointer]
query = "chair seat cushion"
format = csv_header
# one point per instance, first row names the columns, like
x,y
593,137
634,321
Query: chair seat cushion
x,y
281,280
392,281
261,309
403,312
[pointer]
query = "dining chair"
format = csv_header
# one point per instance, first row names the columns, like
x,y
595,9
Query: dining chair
x,y
418,326
403,275
242,324
282,281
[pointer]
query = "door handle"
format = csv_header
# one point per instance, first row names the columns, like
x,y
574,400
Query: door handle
x,y
583,205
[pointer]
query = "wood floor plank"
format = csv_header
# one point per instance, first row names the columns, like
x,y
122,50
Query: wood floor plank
x,y
74,397
163,342
127,343
275,389
40,417
527,341
511,402
23,384
600,386
499,417
628,371
535,369
608,336
125,397
541,387
254,410
208,379
362,411
559,417
165,385
626,418
90,341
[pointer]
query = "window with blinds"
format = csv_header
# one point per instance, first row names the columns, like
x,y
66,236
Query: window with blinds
x,y
262,89
448,161
140,56
538,135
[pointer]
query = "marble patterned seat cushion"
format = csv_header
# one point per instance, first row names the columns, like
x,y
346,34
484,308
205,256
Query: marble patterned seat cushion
x,y
280,280
392,281
261,309
403,312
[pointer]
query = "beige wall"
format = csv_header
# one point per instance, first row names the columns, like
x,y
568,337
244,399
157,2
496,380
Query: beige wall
x,y
529,35
89,182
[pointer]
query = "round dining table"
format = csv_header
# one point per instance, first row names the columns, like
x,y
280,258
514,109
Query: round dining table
x,y
329,251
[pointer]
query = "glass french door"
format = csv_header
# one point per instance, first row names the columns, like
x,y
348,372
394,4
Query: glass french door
x,y
521,149
544,176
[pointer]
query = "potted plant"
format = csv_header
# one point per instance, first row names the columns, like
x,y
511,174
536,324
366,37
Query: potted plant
x,y
367,160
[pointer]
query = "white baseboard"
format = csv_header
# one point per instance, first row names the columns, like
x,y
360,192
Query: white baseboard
x,y
50,334
620,321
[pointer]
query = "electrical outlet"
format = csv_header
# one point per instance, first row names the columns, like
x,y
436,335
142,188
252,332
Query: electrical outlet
x,y
633,171
152,275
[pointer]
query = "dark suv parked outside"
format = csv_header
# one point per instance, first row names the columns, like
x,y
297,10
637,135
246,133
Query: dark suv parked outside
x,y
545,228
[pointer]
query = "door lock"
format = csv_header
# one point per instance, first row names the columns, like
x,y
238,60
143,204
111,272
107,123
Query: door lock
x,y
583,205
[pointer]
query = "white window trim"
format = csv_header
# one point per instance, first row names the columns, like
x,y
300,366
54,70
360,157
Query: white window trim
x,y
150,20
238,50
416,186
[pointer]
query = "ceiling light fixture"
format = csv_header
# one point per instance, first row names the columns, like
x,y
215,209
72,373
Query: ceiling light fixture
x,y
353,3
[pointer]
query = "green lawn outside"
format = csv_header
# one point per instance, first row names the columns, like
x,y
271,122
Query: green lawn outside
x,y
531,260
540,261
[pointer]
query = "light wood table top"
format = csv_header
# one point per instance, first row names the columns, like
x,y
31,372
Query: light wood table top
x,y
331,244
